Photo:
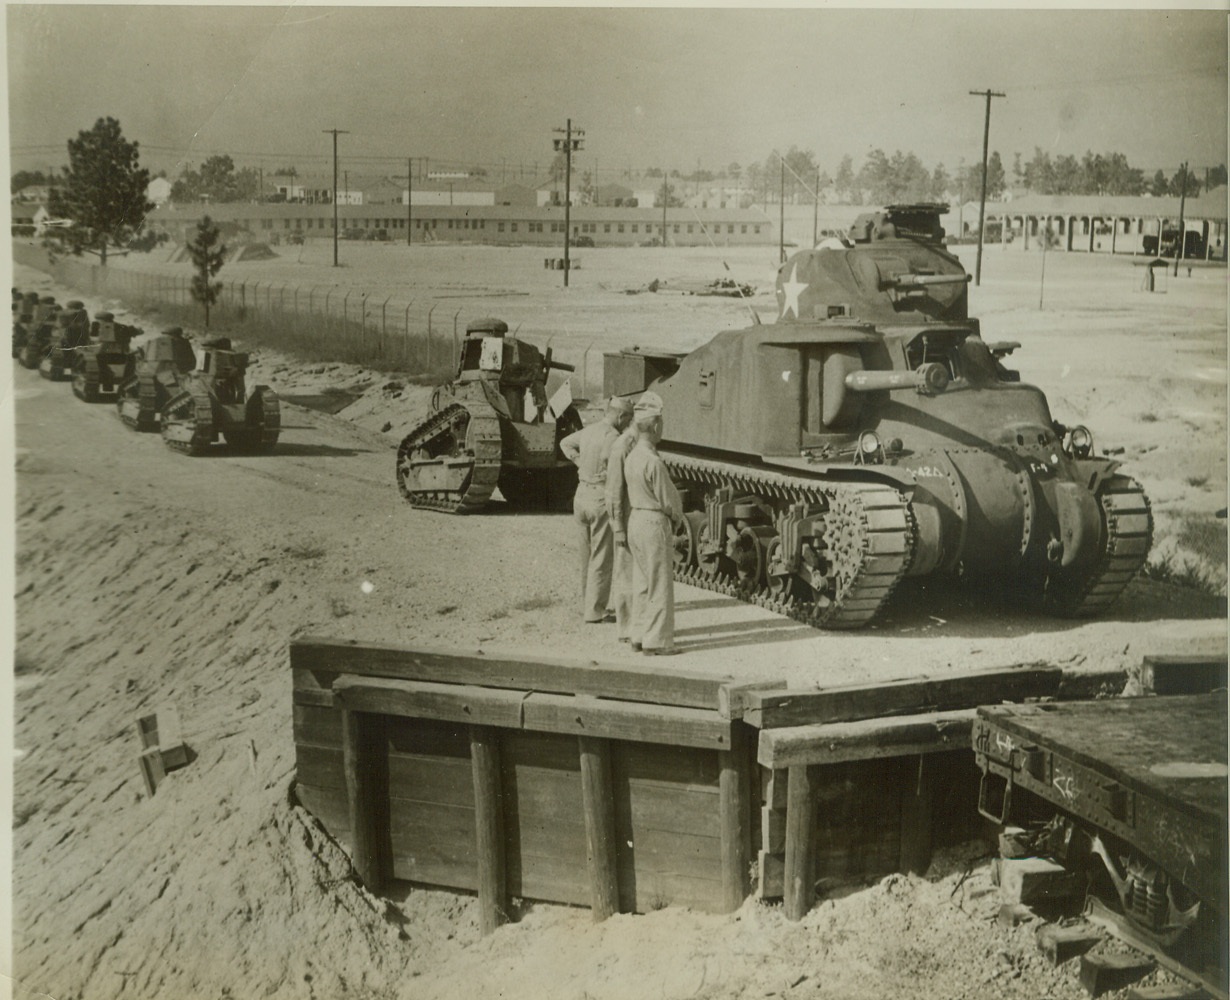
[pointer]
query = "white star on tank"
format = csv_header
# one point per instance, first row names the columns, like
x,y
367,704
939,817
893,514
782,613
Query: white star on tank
x,y
792,289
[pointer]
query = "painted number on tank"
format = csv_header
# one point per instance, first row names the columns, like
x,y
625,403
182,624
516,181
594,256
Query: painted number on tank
x,y
929,472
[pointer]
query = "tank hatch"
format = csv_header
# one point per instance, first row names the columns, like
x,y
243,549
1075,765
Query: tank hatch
x,y
892,268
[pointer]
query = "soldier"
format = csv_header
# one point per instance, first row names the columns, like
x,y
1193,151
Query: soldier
x,y
655,505
589,449
617,510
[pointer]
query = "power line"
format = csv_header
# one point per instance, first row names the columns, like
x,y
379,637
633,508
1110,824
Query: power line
x,y
336,132
982,202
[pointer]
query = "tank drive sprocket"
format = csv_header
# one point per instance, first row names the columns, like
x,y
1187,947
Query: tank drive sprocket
x,y
854,563
451,461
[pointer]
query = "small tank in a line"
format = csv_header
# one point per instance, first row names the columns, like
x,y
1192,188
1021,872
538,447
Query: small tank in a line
x,y
100,367
38,333
213,400
871,434
492,426
155,378
70,334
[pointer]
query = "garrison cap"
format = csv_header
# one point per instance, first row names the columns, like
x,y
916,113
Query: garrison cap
x,y
620,404
650,404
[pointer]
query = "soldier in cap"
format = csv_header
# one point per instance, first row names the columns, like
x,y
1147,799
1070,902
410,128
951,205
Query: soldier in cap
x,y
617,510
589,450
654,505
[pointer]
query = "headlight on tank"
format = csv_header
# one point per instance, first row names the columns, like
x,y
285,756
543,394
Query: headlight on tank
x,y
870,450
1080,442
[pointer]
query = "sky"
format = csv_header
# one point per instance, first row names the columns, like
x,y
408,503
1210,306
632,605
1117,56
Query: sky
x,y
650,86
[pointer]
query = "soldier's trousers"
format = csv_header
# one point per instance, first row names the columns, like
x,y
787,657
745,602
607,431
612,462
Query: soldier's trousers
x,y
653,586
596,542
621,591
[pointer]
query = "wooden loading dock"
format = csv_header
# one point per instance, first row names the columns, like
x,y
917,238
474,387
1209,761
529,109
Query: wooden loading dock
x,y
627,788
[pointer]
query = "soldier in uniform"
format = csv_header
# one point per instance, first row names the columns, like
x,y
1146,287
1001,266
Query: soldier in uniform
x,y
589,450
617,510
654,506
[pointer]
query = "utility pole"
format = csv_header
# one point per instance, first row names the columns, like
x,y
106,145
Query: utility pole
x,y
573,137
1178,254
410,195
336,132
665,198
781,209
982,204
815,211
261,196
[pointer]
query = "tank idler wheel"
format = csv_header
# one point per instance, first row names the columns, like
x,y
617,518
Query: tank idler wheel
x,y
687,532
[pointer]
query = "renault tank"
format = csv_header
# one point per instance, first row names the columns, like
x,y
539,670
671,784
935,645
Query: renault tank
x,y
38,333
870,433
213,400
71,333
156,376
101,366
492,426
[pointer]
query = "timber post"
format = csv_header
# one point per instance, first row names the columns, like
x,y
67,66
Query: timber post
x,y
365,767
800,889
734,791
597,796
489,828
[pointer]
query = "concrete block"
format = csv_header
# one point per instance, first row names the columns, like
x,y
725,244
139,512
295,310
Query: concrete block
x,y
1061,944
1103,973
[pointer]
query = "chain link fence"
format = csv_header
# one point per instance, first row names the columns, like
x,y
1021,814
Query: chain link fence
x,y
313,322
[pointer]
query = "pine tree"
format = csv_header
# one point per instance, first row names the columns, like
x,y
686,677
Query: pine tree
x,y
102,194
207,254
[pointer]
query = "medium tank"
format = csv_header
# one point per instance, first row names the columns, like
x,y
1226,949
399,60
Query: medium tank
x,y
492,426
212,400
871,434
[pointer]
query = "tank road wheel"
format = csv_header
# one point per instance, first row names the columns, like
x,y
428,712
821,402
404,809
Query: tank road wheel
x,y
784,586
188,423
711,559
1127,535
687,531
85,383
746,549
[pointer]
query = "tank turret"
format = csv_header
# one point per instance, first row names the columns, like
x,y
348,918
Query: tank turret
x,y
870,433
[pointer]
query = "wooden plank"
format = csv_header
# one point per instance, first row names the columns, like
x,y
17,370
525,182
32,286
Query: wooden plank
x,y
429,737
799,875
319,766
152,773
772,829
318,697
434,843
897,736
489,828
493,668
646,891
599,808
551,878
774,710
673,767
1169,675
734,809
733,698
330,806
773,787
772,866
644,723
1099,684
423,700
365,769
858,825
435,780
320,727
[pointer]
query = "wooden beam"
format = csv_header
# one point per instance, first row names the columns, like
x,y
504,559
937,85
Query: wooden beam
x,y
733,700
364,763
734,791
598,804
773,710
800,883
489,828
622,720
424,700
656,684
896,736
1182,674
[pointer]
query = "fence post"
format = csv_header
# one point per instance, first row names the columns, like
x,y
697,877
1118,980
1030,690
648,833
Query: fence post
x,y
430,334
327,294
311,294
363,323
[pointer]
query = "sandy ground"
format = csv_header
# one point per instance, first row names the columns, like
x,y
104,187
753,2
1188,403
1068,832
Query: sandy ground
x,y
144,576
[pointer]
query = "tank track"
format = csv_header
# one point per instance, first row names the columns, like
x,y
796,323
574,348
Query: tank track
x,y
1128,520
86,383
147,393
874,534
201,416
271,419
483,442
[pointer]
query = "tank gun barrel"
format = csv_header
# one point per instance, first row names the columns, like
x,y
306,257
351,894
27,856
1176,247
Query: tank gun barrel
x,y
922,280
929,379
560,366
